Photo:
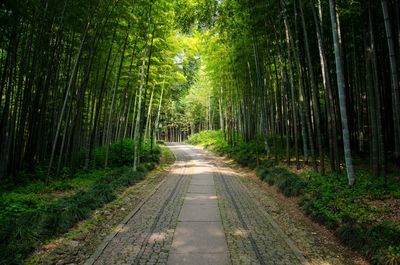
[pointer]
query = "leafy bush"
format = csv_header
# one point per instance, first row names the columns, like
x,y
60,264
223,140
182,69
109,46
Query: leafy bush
x,y
206,137
376,241
121,153
289,184
149,154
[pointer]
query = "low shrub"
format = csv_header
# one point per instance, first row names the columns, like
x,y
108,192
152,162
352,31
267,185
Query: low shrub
x,y
150,154
206,138
288,183
391,256
121,153
245,153
24,230
379,242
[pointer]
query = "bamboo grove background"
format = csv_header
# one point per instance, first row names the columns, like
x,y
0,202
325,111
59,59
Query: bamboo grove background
x,y
316,78
319,76
76,75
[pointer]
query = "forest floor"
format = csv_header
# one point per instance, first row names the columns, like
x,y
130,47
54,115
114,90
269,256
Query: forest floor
x,y
157,221
75,246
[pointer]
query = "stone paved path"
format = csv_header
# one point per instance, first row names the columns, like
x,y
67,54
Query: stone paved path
x,y
251,234
199,237
201,214
145,236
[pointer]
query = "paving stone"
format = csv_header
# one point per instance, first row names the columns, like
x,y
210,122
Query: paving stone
x,y
199,237
192,198
250,236
199,212
202,180
202,189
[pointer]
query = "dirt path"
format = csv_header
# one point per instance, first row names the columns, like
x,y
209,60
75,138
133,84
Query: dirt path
x,y
206,213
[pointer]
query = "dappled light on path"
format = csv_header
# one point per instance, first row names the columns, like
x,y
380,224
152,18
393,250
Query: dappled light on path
x,y
202,214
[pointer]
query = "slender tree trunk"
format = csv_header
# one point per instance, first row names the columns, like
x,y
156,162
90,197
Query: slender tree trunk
x,y
303,100
314,93
137,137
116,84
100,100
293,94
342,93
221,115
155,130
71,81
148,119
374,155
285,110
332,137
377,100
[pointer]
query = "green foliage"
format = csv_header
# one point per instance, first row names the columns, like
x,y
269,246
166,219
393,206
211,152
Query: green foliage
x,y
207,138
392,256
244,153
150,154
27,220
33,213
121,153
289,184
331,202
374,240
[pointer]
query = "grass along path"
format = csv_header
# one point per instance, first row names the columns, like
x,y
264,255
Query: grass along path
x,y
77,242
80,242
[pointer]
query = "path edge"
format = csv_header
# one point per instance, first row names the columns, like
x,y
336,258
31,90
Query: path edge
x,y
93,258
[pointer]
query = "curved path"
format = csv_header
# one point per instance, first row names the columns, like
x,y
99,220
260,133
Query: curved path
x,y
202,213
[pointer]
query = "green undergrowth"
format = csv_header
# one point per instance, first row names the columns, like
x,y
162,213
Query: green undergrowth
x,y
244,153
365,217
33,213
167,157
289,184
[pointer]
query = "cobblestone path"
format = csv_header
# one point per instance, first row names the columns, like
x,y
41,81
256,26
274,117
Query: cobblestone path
x,y
201,214
251,234
199,237
145,236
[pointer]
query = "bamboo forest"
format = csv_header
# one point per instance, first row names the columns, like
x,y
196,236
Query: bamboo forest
x,y
200,132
